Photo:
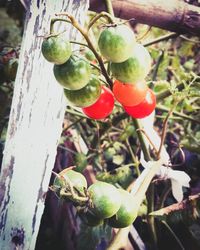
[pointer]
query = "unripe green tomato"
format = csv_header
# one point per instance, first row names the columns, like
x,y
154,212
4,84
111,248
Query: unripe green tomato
x,y
10,69
135,68
74,74
90,55
80,162
76,179
86,96
127,213
105,199
116,43
56,49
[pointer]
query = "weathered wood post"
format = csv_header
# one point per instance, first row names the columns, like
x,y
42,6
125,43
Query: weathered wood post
x,y
34,129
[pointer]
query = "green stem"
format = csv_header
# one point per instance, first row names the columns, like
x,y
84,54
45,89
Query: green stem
x,y
98,16
184,116
145,151
167,93
160,59
160,39
82,44
136,165
53,21
73,112
109,7
164,130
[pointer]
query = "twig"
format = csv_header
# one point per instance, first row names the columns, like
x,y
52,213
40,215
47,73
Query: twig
x,y
164,130
160,39
163,108
109,7
98,16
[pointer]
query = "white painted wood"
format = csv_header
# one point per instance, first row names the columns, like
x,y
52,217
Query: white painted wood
x,y
34,129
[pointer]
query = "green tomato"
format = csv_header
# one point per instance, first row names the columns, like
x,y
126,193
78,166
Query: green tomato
x,y
10,69
116,43
127,213
80,162
135,68
74,74
86,96
105,199
76,179
90,55
56,49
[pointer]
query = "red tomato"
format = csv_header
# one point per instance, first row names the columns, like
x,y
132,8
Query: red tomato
x,y
102,107
129,94
144,108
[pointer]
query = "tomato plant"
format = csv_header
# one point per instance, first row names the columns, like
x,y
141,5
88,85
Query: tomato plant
x,y
86,96
102,107
144,108
74,74
129,94
56,49
105,199
135,68
127,212
116,43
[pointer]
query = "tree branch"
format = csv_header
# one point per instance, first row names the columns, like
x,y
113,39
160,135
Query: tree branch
x,y
173,15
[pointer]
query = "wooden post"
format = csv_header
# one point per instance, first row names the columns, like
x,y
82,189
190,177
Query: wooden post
x,y
34,129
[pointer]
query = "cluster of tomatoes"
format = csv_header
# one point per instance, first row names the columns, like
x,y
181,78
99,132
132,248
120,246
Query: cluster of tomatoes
x,y
129,61
98,204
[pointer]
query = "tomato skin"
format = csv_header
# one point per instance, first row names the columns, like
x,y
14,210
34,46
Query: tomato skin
x,y
77,180
86,96
102,107
105,199
116,43
127,212
73,74
135,68
143,109
56,49
129,94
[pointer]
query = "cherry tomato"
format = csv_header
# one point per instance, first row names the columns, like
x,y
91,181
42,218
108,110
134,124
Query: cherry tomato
x,y
102,107
56,49
135,68
129,94
105,199
74,74
144,108
86,96
127,213
116,43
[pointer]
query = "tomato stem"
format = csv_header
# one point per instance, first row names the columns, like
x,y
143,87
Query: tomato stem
x,y
98,16
53,21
